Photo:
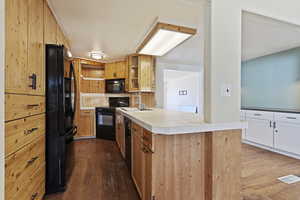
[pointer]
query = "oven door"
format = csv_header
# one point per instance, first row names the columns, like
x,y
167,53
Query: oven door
x,y
105,124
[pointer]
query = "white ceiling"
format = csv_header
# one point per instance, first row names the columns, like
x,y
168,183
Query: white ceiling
x,y
264,36
116,27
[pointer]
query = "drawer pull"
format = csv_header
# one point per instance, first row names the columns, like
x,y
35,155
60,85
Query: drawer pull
x,y
256,114
291,117
34,196
32,105
32,160
33,81
28,132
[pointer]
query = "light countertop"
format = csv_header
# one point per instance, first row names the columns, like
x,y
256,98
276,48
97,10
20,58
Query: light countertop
x,y
160,121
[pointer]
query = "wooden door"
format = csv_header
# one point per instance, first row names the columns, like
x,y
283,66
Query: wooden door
x,y
137,167
147,174
50,26
16,27
109,71
60,36
122,136
86,124
36,65
120,68
146,73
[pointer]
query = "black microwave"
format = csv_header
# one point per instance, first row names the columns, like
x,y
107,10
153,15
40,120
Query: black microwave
x,y
115,86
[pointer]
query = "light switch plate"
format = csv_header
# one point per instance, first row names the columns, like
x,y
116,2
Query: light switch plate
x,y
226,90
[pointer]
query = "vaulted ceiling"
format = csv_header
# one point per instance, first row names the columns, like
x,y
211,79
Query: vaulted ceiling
x,y
264,36
117,27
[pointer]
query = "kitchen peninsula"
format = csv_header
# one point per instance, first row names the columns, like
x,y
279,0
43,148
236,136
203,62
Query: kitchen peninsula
x,y
175,155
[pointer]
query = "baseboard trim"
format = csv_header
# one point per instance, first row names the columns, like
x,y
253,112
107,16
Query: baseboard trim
x,y
292,155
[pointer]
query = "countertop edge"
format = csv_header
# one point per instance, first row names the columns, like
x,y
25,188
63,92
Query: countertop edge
x,y
201,128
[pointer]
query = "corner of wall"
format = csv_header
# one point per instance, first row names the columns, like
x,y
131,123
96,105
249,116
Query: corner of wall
x,y
2,78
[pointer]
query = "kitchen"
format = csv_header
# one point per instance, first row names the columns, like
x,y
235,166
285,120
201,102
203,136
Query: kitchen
x,y
89,112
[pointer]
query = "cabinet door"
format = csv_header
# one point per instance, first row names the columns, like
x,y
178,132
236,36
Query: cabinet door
x,y
36,46
147,175
60,36
137,165
121,69
87,124
16,76
50,26
146,73
287,137
260,131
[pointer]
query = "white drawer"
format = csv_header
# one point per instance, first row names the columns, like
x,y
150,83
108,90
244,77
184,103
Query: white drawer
x,y
259,114
287,117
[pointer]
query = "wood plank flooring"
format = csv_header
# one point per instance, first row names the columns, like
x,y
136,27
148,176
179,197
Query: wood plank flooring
x,y
260,171
101,174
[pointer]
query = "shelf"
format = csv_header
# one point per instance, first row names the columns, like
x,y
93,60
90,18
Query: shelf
x,y
93,79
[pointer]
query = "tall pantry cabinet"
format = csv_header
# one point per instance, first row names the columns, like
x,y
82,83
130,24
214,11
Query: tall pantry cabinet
x,y
30,24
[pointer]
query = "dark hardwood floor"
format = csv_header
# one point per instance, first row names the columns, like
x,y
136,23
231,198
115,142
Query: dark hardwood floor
x,y
100,173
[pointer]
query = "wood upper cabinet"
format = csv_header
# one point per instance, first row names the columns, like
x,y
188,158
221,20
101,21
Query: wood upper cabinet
x,y
36,65
24,73
146,73
16,56
116,70
50,26
141,73
87,127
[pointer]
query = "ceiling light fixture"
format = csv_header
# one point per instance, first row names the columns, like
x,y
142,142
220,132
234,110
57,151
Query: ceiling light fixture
x,y
97,55
163,38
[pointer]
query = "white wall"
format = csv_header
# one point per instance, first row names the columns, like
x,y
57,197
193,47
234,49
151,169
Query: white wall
x,y
160,79
225,52
182,80
2,47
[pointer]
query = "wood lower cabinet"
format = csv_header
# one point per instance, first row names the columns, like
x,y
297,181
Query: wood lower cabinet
x,y
20,106
120,133
20,133
137,159
186,166
87,124
20,171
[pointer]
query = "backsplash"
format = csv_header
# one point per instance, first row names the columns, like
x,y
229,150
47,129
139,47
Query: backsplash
x,y
98,100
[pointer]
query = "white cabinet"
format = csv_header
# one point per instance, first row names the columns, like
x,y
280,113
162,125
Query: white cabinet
x,y
276,131
260,131
243,118
287,137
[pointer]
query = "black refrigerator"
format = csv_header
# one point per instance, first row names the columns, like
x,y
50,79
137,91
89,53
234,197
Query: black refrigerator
x,y
60,113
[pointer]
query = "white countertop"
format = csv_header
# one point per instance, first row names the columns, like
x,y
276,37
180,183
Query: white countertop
x,y
159,121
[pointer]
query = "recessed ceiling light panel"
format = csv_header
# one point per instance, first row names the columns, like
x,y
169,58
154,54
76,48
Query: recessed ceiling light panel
x,y
163,38
97,55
